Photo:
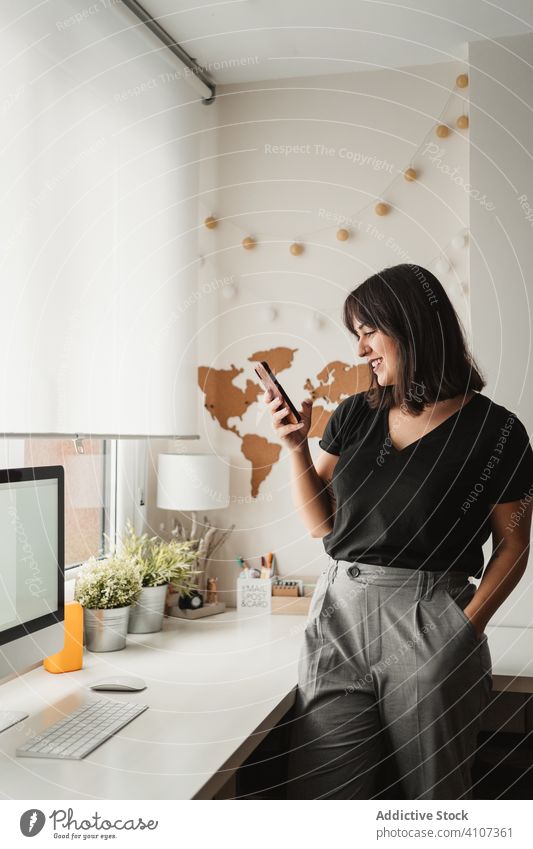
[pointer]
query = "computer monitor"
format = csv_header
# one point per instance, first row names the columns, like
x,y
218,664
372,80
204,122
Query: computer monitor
x,y
32,562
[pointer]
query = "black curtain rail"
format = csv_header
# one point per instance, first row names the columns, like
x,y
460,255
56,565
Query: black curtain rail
x,y
178,51
37,435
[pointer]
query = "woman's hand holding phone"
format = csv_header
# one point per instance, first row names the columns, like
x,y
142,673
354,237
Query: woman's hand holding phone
x,y
294,436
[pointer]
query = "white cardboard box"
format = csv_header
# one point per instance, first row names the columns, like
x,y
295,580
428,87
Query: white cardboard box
x,y
254,595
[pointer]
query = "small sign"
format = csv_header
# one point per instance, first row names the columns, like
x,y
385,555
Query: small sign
x,y
254,594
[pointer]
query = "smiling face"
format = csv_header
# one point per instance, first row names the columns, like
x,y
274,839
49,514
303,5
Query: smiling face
x,y
379,350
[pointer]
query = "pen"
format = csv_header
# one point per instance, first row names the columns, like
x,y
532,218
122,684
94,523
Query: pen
x,y
241,562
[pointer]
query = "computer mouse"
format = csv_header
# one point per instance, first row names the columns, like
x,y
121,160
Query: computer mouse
x,y
124,683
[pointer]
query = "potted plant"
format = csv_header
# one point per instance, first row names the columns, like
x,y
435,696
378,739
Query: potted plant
x,y
107,589
159,564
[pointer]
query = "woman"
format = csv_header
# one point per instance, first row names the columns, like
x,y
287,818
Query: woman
x,y
412,477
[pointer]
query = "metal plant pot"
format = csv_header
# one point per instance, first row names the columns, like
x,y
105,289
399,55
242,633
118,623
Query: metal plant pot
x,y
146,616
106,630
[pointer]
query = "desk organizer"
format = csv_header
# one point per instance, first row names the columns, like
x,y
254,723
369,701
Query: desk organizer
x,y
254,595
285,591
286,601
173,609
208,609
290,605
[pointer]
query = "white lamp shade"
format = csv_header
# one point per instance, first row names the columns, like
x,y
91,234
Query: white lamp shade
x,y
192,482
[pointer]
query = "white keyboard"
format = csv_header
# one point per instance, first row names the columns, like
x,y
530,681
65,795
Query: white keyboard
x,y
81,731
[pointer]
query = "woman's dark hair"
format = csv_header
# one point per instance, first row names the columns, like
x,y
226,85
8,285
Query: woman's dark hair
x,y
409,304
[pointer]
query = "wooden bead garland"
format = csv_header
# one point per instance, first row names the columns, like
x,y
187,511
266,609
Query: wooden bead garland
x,y
381,208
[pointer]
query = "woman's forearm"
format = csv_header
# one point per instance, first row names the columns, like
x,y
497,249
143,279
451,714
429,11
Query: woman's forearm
x,y
502,574
310,494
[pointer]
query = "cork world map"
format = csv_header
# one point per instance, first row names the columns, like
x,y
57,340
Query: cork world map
x,y
228,403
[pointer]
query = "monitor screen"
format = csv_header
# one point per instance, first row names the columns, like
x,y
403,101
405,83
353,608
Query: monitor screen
x,y
32,551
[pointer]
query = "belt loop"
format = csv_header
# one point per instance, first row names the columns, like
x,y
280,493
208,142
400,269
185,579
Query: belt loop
x,y
420,587
430,584
331,567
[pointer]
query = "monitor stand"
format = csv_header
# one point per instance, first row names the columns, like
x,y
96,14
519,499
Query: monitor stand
x,y
11,717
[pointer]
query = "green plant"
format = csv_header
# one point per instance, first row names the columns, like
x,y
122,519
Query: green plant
x,y
107,583
159,562
171,564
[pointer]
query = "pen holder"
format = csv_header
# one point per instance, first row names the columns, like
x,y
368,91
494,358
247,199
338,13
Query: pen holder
x,y
254,595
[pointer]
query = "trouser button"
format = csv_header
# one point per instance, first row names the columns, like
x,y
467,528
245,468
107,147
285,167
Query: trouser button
x,y
353,571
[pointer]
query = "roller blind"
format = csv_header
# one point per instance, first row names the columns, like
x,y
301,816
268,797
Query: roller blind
x,y
99,138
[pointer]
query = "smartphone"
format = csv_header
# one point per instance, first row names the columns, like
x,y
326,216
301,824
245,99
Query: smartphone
x,y
268,380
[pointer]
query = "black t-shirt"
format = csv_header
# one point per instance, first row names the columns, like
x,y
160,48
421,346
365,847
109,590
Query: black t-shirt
x,y
426,506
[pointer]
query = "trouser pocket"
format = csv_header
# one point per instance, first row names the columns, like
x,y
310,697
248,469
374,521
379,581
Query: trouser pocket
x,y
457,600
317,602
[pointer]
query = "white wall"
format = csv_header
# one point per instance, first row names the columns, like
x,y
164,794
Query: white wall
x,y
501,256
358,132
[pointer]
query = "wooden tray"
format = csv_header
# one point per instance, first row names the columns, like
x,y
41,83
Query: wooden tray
x,y
291,605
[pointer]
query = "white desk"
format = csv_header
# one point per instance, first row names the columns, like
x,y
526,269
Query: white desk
x,y
511,650
216,687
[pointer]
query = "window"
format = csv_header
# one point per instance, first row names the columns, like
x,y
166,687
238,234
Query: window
x,y
90,496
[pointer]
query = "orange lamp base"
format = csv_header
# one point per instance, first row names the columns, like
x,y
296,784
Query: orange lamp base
x,y
70,658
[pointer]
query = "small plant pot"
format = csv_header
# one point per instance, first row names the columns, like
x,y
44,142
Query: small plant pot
x,y
106,630
146,616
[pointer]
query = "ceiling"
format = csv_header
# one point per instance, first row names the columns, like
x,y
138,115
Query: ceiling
x,y
248,40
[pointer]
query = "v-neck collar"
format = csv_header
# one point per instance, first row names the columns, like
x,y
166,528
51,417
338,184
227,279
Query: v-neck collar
x,y
399,451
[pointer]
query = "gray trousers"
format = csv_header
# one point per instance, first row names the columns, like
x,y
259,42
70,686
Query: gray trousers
x,y
390,665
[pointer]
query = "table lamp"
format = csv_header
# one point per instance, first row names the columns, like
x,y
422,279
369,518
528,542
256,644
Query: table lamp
x,y
188,483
